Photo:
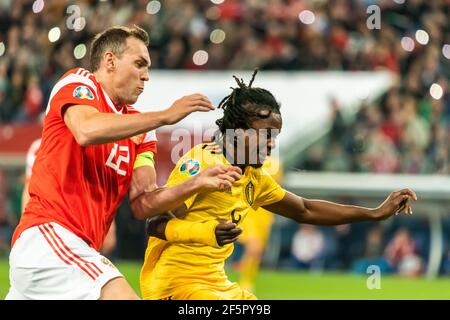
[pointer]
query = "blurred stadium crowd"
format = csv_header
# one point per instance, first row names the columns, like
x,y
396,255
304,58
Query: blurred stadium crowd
x,y
406,131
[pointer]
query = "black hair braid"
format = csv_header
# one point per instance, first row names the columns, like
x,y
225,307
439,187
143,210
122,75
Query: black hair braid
x,y
253,77
244,105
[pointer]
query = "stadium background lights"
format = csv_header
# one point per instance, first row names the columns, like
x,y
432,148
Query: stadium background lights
x,y
446,50
153,7
407,44
79,24
306,17
213,13
38,5
217,36
54,34
2,48
422,37
79,51
399,1
436,91
200,57
217,1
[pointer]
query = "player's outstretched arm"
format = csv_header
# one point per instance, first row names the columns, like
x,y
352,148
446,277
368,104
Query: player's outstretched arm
x,y
215,233
90,127
328,213
147,204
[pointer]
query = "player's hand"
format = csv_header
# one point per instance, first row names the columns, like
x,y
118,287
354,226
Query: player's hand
x,y
185,106
217,178
398,201
227,232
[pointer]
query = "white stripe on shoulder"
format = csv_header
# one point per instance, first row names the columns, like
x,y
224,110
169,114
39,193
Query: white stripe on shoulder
x,y
71,78
80,70
150,136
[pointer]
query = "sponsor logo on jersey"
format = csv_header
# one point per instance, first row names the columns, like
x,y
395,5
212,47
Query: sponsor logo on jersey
x,y
83,92
190,167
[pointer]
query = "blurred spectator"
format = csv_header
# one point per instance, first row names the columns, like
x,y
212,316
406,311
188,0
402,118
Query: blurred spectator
x,y
402,256
373,252
268,34
308,248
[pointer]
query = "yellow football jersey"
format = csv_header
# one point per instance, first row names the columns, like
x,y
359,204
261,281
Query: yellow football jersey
x,y
257,224
169,266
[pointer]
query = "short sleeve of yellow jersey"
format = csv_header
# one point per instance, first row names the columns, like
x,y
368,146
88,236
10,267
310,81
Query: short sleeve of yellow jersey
x,y
268,191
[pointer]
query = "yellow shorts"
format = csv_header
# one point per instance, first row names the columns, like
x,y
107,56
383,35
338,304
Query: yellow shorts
x,y
209,292
257,225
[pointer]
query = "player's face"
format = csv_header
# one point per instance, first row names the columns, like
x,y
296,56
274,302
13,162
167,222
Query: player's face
x,y
260,146
132,71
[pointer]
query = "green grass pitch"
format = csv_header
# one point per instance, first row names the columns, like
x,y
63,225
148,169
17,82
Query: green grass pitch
x,y
300,285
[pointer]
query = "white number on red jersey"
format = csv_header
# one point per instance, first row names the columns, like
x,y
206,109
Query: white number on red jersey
x,y
120,158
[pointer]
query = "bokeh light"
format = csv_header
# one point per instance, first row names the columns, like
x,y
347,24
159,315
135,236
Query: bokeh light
x,y
422,37
79,24
79,51
38,5
217,1
54,34
446,50
307,17
200,57
213,13
407,44
217,36
153,7
436,91
2,48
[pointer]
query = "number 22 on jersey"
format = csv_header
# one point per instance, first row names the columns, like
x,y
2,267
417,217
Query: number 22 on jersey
x,y
121,158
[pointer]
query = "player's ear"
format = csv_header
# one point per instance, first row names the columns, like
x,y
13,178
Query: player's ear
x,y
109,60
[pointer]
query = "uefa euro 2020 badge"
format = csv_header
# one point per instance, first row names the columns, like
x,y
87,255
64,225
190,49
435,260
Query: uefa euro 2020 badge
x,y
83,92
190,167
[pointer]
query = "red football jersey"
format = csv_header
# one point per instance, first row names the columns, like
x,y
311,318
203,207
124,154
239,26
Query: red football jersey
x,y
80,187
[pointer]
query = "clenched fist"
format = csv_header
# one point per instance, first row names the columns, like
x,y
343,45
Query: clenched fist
x,y
227,232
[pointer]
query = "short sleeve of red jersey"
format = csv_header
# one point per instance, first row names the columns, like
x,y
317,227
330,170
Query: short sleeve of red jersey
x,y
73,89
31,156
149,143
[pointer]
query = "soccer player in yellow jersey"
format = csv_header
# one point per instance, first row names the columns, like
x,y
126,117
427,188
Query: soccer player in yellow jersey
x,y
186,254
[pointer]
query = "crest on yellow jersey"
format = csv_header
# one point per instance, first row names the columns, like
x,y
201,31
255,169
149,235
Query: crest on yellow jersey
x,y
250,193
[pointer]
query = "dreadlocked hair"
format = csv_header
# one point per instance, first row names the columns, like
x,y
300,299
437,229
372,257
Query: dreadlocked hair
x,y
245,105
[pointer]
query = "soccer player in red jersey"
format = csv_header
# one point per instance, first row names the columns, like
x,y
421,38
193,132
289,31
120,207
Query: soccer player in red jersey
x,y
95,148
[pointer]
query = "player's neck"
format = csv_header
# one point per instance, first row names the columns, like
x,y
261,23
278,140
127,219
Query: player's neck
x,y
104,80
231,155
